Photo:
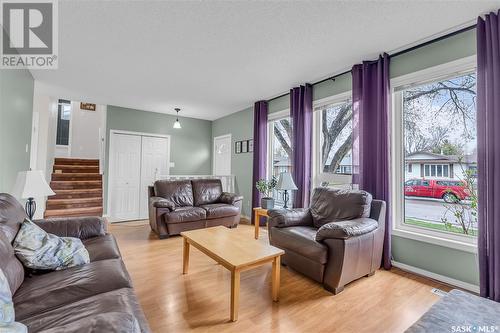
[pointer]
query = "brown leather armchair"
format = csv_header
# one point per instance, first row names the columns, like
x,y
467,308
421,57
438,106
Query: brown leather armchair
x,y
180,205
338,239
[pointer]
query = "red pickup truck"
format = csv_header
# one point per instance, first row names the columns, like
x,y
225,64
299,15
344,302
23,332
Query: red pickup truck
x,y
449,190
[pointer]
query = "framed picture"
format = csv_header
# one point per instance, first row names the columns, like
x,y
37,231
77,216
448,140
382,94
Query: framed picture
x,y
250,146
244,146
87,106
237,147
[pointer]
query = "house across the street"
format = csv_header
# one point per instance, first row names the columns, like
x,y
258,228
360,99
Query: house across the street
x,y
431,165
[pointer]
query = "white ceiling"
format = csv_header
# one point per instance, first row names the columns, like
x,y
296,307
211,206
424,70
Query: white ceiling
x,y
213,58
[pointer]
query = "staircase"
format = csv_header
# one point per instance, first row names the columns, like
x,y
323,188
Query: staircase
x,y
78,187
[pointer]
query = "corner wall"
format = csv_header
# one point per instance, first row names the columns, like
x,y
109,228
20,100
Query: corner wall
x,y
240,126
455,264
16,112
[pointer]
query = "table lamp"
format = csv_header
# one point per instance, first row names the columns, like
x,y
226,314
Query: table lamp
x,y
285,183
29,185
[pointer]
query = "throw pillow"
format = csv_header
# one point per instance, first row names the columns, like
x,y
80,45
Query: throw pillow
x,y
333,205
7,323
40,250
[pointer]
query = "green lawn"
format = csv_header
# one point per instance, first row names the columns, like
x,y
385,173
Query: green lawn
x,y
438,226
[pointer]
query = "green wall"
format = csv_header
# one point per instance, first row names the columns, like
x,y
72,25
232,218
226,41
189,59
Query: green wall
x,y
16,112
190,147
241,164
441,260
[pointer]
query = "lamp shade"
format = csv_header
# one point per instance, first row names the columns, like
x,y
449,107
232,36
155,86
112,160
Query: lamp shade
x,y
285,182
31,184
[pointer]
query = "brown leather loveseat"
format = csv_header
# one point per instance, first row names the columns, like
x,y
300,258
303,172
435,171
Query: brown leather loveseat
x,y
180,205
338,239
95,297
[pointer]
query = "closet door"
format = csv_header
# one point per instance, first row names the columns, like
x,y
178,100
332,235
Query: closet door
x,y
155,163
126,176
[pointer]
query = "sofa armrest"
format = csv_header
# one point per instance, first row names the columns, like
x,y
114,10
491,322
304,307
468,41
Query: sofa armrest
x,y
283,218
346,229
79,227
160,202
230,198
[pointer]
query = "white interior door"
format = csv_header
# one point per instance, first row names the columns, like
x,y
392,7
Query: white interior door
x,y
222,155
155,162
126,176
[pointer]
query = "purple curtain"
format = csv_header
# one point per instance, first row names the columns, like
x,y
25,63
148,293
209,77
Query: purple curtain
x,y
259,149
488,154
301,111
371,107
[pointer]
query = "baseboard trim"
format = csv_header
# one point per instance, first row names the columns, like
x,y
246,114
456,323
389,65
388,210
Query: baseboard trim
x,y
445,279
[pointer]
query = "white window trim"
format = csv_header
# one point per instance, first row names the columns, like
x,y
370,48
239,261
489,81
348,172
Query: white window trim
x,y
455,241
316,153
271,118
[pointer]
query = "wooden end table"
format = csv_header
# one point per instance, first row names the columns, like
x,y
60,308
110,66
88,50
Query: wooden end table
x,y
259,212
236,252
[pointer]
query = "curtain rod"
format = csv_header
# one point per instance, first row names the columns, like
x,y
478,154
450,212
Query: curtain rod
x,y
396,54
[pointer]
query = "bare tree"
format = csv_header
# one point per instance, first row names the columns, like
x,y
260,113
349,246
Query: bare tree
x,y
449,94
283,132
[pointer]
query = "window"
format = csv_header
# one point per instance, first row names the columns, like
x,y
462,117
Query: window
x,y
333,131
436,170
280,153
435,129
63,118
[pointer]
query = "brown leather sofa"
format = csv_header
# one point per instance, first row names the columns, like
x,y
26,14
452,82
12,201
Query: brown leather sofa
x,y
338,239
180,205
96,297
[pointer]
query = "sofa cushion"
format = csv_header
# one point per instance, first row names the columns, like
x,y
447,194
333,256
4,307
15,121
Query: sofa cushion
x,y
11,216
206,191
179,192
38,249
44,292
302,240
218,210
10,265
113,304
185,214
346,229
102,248
332,205
103,322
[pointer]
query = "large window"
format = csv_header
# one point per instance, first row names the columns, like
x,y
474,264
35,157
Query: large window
x,y
333,128
437,135
280,152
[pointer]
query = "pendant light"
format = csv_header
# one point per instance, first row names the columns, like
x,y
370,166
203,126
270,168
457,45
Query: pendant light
x,y
177,124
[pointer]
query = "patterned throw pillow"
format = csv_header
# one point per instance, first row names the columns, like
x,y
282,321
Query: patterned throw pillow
x,y
7,323
40,250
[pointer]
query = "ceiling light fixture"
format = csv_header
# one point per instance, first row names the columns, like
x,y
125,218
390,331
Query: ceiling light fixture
x,y
177,124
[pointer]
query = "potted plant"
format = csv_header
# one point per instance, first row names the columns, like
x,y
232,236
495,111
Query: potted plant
x,y
265,188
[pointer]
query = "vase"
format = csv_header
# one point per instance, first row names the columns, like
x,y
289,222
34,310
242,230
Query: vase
x,y
267,203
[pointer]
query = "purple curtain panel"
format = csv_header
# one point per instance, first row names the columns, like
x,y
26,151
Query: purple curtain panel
x,y
301,111
371,107
259,149
488,154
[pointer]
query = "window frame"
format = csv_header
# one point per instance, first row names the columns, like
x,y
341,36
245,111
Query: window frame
x,y
340,179
398,84
271,118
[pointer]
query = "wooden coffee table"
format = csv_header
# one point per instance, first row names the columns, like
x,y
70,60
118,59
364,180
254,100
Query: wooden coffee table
x,y
237,253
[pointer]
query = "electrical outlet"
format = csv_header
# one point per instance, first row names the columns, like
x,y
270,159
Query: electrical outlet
x,y
439,292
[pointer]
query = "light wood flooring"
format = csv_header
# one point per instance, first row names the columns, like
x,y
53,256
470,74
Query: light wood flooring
x,y
389,301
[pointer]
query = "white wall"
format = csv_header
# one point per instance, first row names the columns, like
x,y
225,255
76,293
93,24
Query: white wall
x,y
87,131
44,138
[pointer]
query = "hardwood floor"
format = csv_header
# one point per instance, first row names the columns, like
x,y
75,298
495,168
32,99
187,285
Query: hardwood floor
x,y
389,301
